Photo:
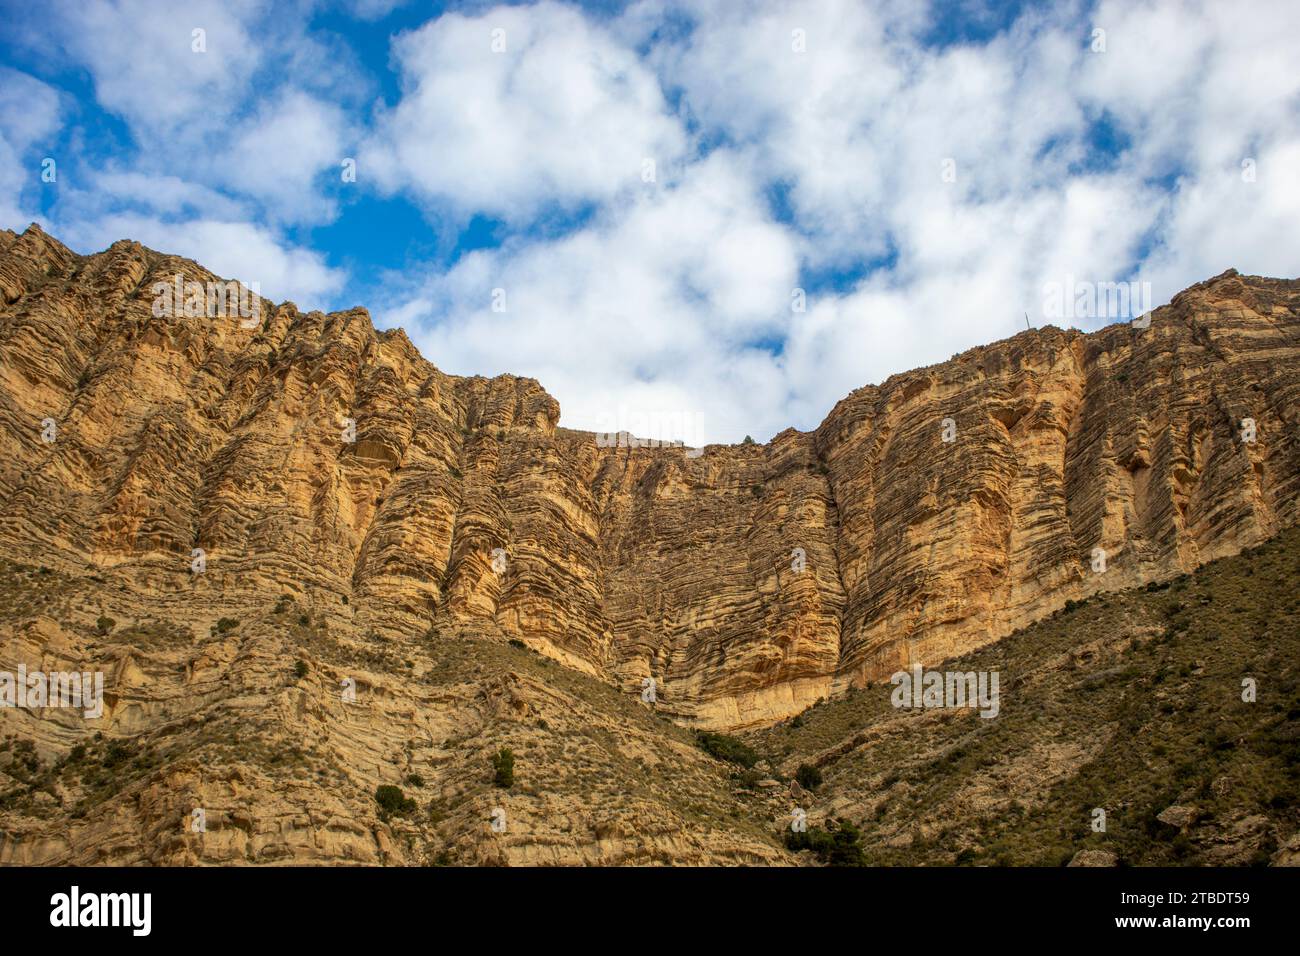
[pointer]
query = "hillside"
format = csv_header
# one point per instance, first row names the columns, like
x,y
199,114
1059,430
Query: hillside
x,y
1130,702
238,522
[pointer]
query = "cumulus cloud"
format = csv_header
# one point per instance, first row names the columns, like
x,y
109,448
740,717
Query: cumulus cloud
x,y
275,156
920,184
233,250
519,110
223,152
230,95
29,113
647,319
845,108
1211,99
143,59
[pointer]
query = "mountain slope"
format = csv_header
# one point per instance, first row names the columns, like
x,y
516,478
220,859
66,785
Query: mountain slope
x,y
176,433
1129,702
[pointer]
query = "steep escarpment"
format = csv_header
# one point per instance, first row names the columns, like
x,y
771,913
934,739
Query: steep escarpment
x,y
1078,463
311,455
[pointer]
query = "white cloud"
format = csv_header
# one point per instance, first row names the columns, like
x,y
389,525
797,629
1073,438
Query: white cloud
x,y
29,114
372,9
1200,88
255,107
232,250
667,310
858,125
1220,221
275,156
647,319
561,116
142,58
158,194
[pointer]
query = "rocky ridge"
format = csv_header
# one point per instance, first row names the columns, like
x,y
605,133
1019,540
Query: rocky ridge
x,y
749,581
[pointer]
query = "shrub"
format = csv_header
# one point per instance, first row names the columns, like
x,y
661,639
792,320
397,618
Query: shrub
x,y
300,669
809,777
105,625
722,747
748,441
839,844
392,800
119,752
227,624
503,765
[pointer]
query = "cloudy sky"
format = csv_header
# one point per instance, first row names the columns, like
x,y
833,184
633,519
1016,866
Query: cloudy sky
x,y
692,220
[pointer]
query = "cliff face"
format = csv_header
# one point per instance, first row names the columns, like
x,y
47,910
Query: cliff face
x,y
748,581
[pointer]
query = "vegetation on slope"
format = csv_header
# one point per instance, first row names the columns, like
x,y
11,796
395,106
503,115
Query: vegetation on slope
x,y
1130,703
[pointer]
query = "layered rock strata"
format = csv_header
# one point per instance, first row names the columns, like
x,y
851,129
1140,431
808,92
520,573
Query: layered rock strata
x,y
315,456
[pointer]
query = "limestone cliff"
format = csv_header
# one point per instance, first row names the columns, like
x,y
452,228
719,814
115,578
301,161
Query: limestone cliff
x,y
749,581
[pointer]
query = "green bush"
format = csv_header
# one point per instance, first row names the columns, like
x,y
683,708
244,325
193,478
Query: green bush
x,y
503,765
723,747
392,800
809,777
414,780
105,625
119,752
300,669
226,624
839,844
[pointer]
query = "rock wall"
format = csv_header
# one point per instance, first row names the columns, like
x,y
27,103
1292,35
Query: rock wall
x,y
748,581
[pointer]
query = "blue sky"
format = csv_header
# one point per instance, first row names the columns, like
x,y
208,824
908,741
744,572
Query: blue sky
x,y
704,220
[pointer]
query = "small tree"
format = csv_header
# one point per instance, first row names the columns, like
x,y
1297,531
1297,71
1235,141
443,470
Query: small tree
x,y
723,747
809,777
105,625
300,669
503,763
392,800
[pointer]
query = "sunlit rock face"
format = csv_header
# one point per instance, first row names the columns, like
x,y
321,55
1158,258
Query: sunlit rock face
x,y
312,455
